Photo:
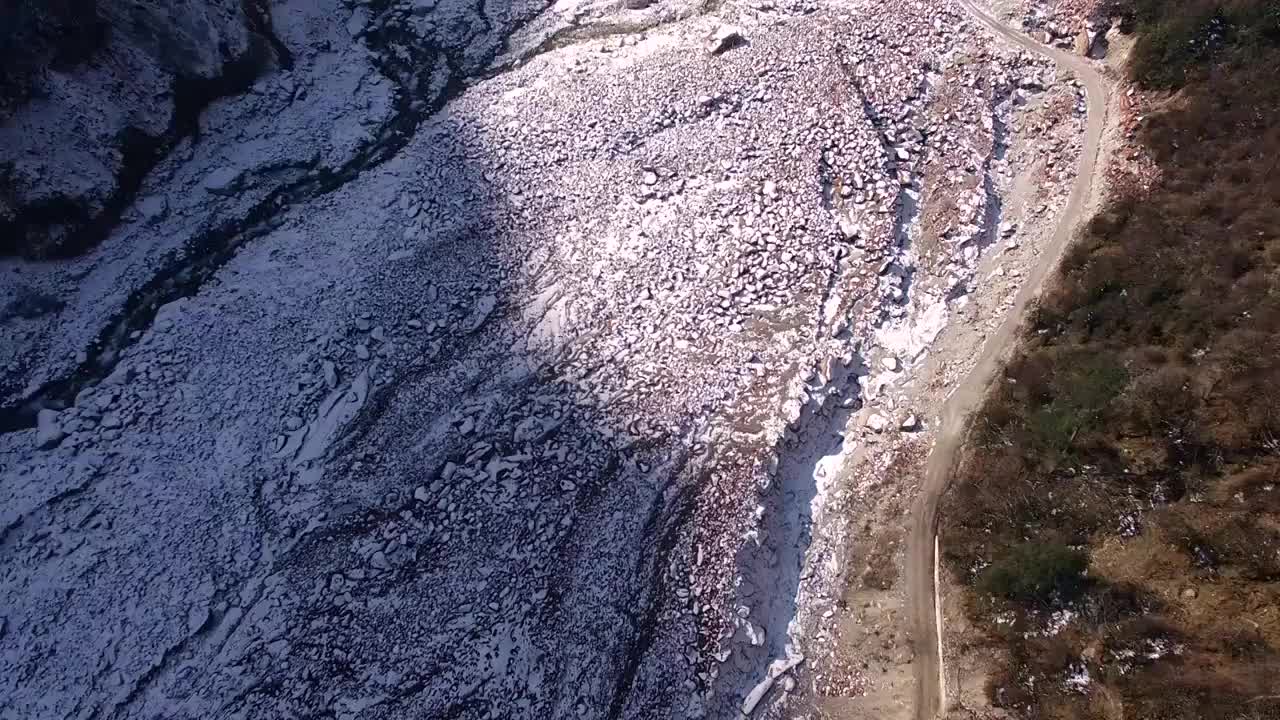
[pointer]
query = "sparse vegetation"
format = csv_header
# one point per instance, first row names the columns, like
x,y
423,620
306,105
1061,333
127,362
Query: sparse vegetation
x,y
1177,38
1140,419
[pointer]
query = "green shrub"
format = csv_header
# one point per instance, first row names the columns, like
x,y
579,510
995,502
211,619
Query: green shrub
x,y
1036,572
1053,427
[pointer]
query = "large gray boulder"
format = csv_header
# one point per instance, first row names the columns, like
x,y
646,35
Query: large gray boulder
x,y
94,92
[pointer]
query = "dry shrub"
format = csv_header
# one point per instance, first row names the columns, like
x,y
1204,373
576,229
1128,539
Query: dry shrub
x,y
1140,418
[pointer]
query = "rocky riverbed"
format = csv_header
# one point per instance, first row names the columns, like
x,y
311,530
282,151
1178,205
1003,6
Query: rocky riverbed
x,y
491,360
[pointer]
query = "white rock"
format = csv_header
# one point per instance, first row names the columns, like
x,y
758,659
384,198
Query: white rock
x,y
154,207
877,422
849,228
724,38
121,375
222,181
890,363
357,22
776,669
49,431
479,313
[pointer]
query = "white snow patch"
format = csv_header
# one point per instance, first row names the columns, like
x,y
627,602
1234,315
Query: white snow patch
x,y
912,337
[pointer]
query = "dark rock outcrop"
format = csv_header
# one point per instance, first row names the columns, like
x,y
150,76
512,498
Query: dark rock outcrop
x,y
94,92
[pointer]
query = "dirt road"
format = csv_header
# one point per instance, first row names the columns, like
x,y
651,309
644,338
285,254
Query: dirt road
x,y
921,554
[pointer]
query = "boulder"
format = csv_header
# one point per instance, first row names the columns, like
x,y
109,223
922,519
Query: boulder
x,y
724,37
877,422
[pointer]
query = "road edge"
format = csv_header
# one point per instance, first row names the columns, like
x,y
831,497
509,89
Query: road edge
x,y
923,550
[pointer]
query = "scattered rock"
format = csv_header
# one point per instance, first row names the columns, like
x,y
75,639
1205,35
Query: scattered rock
x,y
357,22
677,310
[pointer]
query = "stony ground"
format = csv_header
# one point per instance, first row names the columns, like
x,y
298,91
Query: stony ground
x,y
502,361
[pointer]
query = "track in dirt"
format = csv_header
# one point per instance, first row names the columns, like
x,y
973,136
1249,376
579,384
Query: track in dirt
x,y
922,548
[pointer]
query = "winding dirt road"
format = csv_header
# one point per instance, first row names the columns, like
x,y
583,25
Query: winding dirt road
x,y
922,549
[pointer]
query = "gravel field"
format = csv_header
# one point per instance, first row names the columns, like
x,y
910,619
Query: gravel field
x,y
503,360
